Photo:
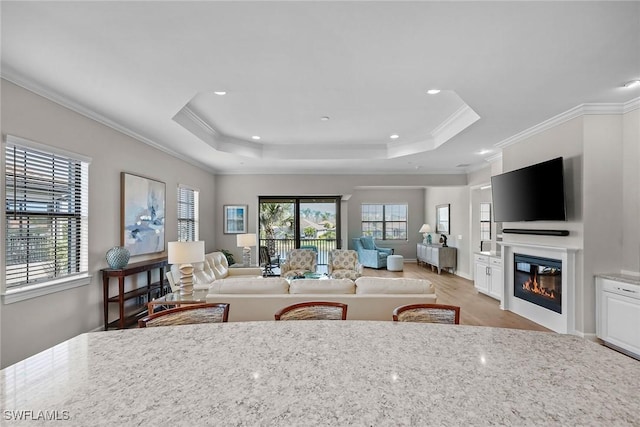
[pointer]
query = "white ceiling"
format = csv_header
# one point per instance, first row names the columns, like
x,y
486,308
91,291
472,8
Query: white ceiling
x,y
149,68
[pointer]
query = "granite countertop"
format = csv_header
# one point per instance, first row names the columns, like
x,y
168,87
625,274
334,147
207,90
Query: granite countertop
x,y
489,253
325,373
634,280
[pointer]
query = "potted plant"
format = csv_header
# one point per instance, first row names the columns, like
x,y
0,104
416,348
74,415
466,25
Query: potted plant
x,y
228,255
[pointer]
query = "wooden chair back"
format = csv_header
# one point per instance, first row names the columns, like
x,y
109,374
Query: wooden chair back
x,y
427,313
187,314
313,310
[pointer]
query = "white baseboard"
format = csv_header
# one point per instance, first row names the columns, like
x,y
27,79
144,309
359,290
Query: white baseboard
x,y
464,275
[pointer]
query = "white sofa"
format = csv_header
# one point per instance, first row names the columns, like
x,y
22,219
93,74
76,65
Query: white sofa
x,y
214,267
368,298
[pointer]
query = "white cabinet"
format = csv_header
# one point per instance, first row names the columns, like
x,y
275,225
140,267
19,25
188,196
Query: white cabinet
x,y
481,277
488,277
496,277
618,315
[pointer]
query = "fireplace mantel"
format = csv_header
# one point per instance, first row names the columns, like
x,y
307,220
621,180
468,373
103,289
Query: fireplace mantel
x,y
559,322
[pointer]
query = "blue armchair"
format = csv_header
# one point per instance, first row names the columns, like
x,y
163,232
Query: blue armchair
x,y
370,255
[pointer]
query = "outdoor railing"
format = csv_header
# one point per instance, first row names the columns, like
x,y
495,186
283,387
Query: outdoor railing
x,y
321,246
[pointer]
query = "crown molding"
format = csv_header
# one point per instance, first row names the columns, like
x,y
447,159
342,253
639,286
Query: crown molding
x,y
632,105
579,111
8,74
494,158
190,119
454,124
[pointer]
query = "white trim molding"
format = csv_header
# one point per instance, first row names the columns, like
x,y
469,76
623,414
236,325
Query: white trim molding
x,y
579,111
27,292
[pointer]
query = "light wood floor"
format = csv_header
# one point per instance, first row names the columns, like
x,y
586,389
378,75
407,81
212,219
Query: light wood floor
x,y
475,308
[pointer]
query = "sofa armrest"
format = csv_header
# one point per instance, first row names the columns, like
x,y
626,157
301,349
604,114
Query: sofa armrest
x,y
388,251
245,271
368,256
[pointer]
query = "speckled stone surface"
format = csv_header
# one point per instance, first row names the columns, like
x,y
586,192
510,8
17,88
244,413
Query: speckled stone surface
x,y
634,280
326,373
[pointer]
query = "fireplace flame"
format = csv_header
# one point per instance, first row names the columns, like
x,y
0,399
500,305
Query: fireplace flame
x,y
532,285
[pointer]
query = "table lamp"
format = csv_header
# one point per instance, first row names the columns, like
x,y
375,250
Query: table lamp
x,y
245,241
425,229
183,254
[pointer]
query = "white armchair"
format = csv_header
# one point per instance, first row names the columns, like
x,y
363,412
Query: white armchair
x,y
299,261
343,264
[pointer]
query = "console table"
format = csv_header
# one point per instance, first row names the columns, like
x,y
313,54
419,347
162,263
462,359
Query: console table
x,y
437,256
129,315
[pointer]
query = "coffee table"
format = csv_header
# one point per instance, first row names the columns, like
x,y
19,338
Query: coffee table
x,y
174,299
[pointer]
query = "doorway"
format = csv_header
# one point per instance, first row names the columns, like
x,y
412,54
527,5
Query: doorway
x,y
311,222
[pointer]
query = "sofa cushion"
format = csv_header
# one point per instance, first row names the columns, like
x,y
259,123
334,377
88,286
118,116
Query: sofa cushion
x,y
271,285
217,263
393,285
367,242
322,286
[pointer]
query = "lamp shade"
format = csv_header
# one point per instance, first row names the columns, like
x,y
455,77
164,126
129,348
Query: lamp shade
x,y
186,252
426,228
246,240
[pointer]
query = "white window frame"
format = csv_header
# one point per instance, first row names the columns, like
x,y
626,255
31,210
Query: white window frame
x,y
384,221
485,221
196,212
81,278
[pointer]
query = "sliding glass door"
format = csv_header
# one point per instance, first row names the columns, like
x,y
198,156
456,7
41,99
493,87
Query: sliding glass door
x,y
300,222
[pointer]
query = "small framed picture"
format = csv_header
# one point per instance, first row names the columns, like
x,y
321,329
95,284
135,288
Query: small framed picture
x,y
235,219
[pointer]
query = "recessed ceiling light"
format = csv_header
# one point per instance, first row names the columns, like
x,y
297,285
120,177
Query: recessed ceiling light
x,y
324,118
632,84
255,137
433,91
484,151
220,92
394,136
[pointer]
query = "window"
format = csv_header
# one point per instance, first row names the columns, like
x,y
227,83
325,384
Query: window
x,y
485,221
384,222
46,230
188,216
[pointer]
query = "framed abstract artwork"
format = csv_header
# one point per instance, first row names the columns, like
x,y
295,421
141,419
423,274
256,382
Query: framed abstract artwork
x,y
142,214
235,219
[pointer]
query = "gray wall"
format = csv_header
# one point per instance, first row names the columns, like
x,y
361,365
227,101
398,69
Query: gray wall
x,y
33,325
460,222
356,189
631,191
601,183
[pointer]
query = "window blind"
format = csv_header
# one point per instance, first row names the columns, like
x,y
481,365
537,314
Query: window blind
x,y
188,217
46,199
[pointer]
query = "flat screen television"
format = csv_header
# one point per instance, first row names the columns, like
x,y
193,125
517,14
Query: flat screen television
x,y
533,193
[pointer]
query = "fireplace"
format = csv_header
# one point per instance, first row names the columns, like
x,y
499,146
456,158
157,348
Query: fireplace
x,y
539,281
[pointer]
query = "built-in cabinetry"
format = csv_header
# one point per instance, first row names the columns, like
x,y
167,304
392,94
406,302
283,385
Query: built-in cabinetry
x,y
488,276
618,313
437,256
132,304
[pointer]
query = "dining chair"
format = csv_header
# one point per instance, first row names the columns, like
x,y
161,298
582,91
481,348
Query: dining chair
x,y
187,314
313,310
427,313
